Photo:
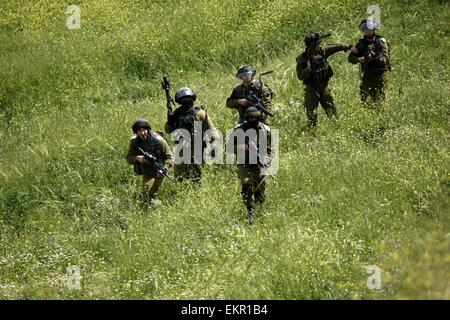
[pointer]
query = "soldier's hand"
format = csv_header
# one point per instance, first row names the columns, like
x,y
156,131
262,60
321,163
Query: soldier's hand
x,y
243,102
361,60
354,50
141,159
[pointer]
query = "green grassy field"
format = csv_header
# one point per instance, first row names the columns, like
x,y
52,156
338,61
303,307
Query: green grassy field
x,y
372,189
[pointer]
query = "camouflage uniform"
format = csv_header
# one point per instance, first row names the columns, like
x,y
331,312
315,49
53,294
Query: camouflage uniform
x,y
250,175
315,72
183,118
240,92
374,72
158,147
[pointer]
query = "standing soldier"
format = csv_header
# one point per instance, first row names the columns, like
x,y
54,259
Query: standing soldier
x,y
372,53
315,72
240,96
185,117
251,142
155,145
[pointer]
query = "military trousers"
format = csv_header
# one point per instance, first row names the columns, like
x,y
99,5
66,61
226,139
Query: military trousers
x,y
151,185
314,96
373,87
253,184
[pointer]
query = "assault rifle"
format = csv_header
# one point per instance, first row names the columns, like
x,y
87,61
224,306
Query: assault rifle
x,y
166,87
257,102
159,168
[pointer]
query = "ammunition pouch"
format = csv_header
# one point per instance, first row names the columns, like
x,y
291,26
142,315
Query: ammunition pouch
x,y
322,75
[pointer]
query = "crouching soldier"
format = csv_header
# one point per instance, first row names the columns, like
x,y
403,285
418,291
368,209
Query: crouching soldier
x,y
151,157
251,143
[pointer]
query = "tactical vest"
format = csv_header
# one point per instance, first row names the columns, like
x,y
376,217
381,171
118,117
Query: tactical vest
x,y
321,70
185,119
152,146
376,46
256,89
259,130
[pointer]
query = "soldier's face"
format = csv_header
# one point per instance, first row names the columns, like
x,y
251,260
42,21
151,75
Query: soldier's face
x,y
142,133
317,47
246,77
369,32
186,101
252,121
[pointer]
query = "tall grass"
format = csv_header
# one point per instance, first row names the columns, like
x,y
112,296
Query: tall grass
x,y
371,189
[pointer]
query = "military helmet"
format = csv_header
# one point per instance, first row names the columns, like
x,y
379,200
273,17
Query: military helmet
x,y
368,24
245,69
252,112
141,123
312,38
184,92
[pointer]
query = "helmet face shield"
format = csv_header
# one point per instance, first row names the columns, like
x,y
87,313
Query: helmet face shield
x,y
368,24
245,75
245,71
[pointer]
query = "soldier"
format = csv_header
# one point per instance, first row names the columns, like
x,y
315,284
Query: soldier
x,y
155,145
372,53
251,143
315,72
239,98
185,117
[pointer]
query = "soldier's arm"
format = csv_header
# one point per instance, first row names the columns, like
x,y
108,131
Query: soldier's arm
x,y
303,67
204,118
233,100
383,55
207,122
266,97
167,153
333,48
355,54
169,127
131,154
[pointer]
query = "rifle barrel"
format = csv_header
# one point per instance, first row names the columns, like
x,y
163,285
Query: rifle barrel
x,y
267,72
